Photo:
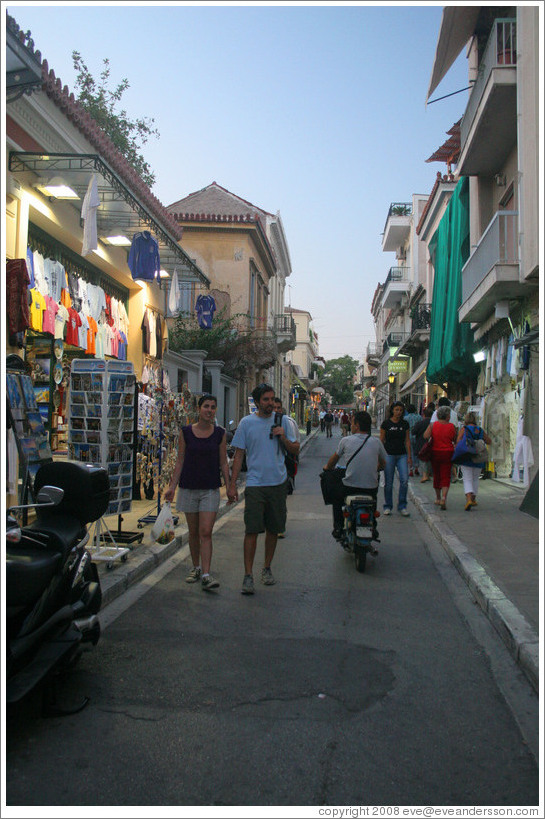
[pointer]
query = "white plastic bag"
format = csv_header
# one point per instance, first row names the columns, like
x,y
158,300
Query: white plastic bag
x,y
163,529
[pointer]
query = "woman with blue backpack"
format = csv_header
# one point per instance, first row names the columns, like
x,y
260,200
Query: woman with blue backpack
x,y
471,471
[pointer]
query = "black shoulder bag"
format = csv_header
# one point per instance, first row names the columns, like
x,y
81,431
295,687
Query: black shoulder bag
x,y
331,480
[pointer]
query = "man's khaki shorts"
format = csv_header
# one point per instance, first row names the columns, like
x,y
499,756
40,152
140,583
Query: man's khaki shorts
x,y
265,509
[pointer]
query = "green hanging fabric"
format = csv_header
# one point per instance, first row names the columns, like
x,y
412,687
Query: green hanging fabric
x,y
451,345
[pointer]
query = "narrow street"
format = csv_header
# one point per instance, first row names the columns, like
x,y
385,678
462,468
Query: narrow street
x,y
329,688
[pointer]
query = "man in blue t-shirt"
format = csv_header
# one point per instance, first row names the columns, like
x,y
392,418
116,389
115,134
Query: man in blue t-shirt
x,y
264,437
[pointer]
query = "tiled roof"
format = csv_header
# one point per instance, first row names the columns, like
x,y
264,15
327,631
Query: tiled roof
x,y
449,150
216,204
63,99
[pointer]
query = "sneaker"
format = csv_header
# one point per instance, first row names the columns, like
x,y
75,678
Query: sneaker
x,y
194,575
247,585
405,513
267,577
281,534
387,512
208,583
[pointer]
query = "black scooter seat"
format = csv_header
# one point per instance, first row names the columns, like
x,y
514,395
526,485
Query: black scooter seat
x,y
28,572
63,532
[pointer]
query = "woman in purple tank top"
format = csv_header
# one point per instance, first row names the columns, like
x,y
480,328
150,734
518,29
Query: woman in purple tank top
x,y
202,459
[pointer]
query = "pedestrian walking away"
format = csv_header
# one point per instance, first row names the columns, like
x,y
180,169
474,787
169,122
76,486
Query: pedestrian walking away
x,y
412,417
472,471
395,435
418,435
443,435
202,457
453,418
345,424
328,423
365,457
264,437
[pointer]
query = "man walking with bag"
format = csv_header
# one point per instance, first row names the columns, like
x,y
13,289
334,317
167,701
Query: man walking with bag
x,y
365,456
264,438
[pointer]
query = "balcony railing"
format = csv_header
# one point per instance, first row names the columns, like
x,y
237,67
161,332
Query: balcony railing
x,y
500,52
421,317
374,350
397,274
398,209
284,324
394,340
498,245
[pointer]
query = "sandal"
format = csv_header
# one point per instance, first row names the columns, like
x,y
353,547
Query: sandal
x,y
443,506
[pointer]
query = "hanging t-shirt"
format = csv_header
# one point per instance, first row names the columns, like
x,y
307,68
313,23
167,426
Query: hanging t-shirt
x,y
205,307
67,301
159,337
143,261
152,336
39,273
60,320
91,335
100,341
30,266
97,300
145,333
73,284
82,331
51,310
74,322
37,307
122,346
55,275
89,215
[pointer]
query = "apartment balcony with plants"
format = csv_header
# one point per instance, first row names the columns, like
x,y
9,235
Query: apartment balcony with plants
x,y
398,225
491,273
284,330
488,130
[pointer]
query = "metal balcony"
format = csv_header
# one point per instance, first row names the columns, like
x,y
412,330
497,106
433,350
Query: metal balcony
x,y
398,225
396,286
489,127
491,273
284,329
421,317
374,353
393,341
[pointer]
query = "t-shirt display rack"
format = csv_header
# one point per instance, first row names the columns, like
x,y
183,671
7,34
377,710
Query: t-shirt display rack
x,y
101,431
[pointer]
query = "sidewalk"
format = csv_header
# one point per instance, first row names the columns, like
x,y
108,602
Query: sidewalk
x,y
495,548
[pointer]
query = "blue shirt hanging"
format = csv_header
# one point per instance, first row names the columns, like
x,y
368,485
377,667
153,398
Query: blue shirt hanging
x,y
205,307
143,261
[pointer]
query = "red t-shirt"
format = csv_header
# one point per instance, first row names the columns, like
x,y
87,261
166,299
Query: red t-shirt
x,y
74,322
443,436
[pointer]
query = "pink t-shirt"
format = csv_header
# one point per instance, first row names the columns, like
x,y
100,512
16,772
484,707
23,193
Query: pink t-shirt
x,y
51,310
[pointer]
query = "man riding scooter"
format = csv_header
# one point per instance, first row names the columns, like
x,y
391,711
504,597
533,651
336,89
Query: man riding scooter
x,y
364,457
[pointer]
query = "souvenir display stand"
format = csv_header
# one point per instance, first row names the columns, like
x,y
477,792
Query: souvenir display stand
x,y
161,417
31,437
101,431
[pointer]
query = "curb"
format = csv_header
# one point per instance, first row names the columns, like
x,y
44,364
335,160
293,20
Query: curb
x,y
515,631
147,557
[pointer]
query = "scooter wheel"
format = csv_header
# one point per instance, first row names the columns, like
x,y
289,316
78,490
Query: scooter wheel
x,y
360,559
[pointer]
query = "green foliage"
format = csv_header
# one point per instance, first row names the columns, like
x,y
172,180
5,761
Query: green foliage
x,y
101,103
242,349
338,379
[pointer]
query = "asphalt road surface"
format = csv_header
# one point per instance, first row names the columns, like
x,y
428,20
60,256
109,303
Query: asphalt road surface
x,y
329,688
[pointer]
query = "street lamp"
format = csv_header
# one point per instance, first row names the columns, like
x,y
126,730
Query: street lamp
x,y
391,377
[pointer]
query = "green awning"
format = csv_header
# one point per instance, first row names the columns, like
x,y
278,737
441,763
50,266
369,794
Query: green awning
x,y
451,344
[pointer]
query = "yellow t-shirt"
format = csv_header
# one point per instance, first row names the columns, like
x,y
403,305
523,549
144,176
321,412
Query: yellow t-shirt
x,y
37,308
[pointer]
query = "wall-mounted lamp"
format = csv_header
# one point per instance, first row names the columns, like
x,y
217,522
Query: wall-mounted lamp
x,y
163,274
479,356
391,377
55,188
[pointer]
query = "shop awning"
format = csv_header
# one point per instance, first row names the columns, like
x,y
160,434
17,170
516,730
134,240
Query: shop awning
x,y
120,211
451,345
457,26
418,373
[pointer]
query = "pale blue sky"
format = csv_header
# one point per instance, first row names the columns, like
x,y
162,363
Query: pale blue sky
x,y
316,111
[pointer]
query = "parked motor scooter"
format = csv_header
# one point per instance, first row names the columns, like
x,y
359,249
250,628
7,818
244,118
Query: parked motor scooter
x,y
360,531
53,592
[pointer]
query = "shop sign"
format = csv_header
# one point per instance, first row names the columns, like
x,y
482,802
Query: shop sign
x,y
398,365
